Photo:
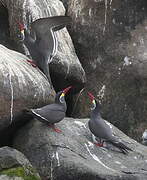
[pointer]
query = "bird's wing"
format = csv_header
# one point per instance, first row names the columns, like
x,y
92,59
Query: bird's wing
x,y
99,128
43,29
52,113
43,25
46,44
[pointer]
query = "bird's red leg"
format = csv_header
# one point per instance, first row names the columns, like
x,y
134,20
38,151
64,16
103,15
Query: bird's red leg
x,y
55,129
31,62
99,144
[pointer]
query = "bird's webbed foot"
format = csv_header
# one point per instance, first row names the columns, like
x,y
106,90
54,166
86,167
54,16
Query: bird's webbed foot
x,y
55,129
31,62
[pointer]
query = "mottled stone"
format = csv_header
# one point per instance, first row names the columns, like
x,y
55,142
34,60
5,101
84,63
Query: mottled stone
x,y
15,166
65,63
72,155
111,42
21,86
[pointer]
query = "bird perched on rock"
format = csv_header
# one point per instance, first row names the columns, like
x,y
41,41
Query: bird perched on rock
x,y
100,129
144,137
52,113
41,40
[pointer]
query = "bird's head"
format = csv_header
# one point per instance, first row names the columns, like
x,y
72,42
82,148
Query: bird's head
x,y
93,101
60,95
22,29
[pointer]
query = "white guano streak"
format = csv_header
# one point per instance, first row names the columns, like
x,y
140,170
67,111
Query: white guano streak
x,y
110,3
98,160
105,22
57,157
12,94
51,168
81,124
12,97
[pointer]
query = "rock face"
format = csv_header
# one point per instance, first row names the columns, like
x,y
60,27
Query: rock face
x,y
21,86
65,3
65,68
110,40
4,26
15,166
71,154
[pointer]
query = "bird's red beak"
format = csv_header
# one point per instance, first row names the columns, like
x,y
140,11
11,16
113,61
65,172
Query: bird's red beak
x,y
91,96
21,26
66,89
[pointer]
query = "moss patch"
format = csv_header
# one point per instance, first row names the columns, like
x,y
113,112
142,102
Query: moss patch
x,y
26,174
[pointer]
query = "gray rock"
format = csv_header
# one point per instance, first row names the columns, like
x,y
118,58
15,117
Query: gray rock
x,y
111,43
21,86
5,177
15,166
72,155
65,63
65,3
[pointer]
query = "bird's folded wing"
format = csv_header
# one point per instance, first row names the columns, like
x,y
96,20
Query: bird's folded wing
x,y
48,109
43,25
49,115
46,44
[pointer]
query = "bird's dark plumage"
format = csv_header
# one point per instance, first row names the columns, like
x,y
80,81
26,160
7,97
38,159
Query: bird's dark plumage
x,y
52,113
41,40
101,129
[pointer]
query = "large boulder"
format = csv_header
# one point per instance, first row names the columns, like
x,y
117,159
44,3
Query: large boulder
x,y
15,166
111,42
4,26
72,155
21,86
65,68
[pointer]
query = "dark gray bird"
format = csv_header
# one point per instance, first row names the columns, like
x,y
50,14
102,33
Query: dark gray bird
x,y
52,113
41,40
100,129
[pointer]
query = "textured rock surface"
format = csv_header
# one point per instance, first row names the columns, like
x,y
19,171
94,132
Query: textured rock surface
x,y
111,42
71,154
21,86
11,162
4,26
65,63
65,3
5,177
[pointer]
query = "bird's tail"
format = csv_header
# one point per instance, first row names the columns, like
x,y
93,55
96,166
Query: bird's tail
x,y
121,146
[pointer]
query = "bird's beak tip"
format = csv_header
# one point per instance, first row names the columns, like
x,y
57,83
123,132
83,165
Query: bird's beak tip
x,y
67,89
91,96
